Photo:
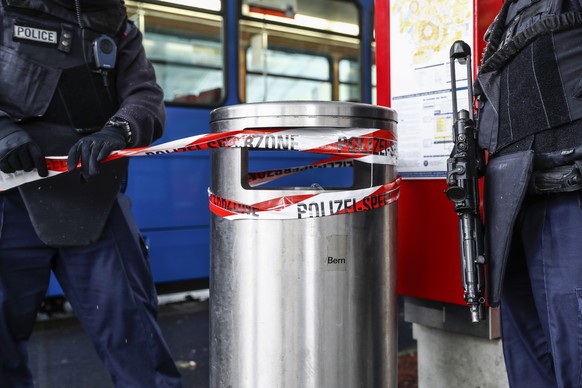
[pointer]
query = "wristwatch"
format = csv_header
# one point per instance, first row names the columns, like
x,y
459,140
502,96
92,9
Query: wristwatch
x,y
117,122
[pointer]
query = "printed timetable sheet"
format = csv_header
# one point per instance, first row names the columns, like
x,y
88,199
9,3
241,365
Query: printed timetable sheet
x,y
421,35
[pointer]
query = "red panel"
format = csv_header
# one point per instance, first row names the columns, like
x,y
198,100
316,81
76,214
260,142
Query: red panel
x,y
382,30
428,250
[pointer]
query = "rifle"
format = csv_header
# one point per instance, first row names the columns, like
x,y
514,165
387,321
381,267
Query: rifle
x,y
464,167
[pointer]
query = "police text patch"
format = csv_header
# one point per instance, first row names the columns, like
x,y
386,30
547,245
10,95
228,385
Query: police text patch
x,y
35,34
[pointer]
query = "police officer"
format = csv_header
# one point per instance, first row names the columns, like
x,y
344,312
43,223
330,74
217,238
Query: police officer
x,y
529,90
74,80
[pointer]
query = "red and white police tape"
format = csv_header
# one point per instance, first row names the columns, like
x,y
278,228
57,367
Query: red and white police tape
x,y
326,203
368,145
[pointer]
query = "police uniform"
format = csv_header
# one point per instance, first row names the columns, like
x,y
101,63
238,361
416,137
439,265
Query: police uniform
x,y
70,70
529,89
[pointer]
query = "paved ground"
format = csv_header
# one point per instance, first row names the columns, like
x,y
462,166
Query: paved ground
x,y
62,356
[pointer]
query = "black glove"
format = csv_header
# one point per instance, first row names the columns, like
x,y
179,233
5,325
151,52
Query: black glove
x,y
94,148
18,151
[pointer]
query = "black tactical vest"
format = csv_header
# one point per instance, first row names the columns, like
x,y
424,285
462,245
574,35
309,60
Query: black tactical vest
x,y
531,77
50,84
48,67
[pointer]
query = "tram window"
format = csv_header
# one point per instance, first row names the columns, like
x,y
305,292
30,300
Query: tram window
x,y
349,78
297,58
280,76
338,16
184,45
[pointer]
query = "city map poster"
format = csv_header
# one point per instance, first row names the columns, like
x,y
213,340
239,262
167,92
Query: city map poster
x,y
421,35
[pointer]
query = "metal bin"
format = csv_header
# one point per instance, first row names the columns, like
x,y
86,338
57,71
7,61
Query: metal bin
x,y
301,303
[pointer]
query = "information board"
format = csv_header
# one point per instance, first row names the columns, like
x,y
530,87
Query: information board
x,y
421,35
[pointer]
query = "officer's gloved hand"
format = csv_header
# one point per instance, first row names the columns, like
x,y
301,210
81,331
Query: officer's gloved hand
x,y
18,151
94,148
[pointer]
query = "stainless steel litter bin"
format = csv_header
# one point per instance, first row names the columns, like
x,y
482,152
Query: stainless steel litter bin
x,y
281,314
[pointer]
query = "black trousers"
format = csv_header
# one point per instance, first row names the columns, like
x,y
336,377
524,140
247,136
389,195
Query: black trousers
x,y
108,284
541,300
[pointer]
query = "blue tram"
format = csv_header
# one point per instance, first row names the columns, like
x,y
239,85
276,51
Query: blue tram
x,y
211,53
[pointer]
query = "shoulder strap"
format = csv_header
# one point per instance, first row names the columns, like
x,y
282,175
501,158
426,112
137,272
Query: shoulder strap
x,y
498,53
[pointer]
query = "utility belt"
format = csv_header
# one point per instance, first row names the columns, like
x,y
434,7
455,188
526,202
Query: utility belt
x,y
556,180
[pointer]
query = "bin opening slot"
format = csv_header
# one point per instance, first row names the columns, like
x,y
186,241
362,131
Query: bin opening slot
x,y
283,169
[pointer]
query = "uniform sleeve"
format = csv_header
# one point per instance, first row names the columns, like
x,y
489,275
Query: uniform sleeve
x,y
141,98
